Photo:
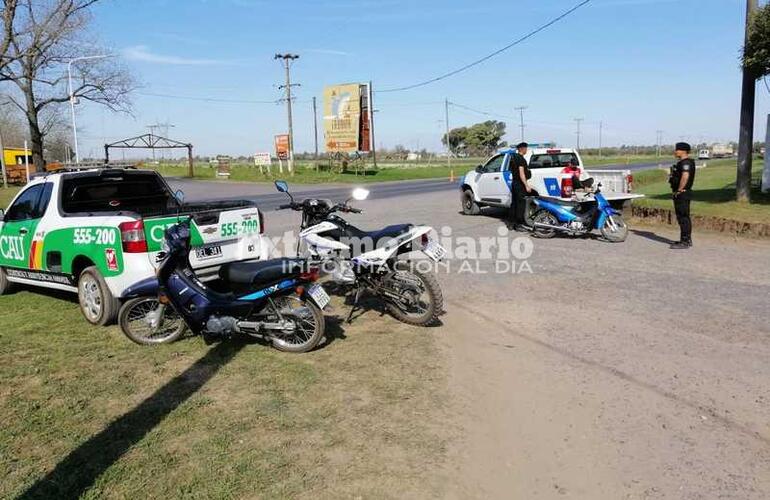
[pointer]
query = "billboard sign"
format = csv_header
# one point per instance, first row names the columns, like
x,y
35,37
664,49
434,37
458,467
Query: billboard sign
x,y
262,159
342,117
282,146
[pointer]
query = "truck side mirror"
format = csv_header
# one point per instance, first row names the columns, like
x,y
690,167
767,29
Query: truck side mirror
x,y
2,214
479,169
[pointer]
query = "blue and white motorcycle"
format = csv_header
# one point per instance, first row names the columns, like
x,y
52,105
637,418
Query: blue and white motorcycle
x,y
578,217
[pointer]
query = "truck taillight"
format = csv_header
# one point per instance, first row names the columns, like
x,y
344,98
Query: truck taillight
x,y
132,236
261,222
629,183
566,187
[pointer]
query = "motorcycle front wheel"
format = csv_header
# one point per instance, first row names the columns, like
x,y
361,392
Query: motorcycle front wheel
x,y
307,325
615,229
146,321
419,300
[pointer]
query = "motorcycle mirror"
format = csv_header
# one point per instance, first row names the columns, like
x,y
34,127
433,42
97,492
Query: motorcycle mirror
x,y
179,195
282,186
360,194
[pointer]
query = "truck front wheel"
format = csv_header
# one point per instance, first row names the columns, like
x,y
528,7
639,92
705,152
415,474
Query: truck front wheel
x,y
5,285
97,304
470,207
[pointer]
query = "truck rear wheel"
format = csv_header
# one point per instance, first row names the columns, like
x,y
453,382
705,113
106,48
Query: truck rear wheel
x,y
5,285
97,304
470,207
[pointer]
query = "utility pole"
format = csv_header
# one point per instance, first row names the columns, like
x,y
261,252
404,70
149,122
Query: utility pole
x,y
2,161
371,123
578,121
521,109
446,121
287,60
746,132
315,128
601,125
658,139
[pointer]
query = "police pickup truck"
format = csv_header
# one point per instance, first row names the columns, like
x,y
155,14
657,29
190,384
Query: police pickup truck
x,y
97,232
553,171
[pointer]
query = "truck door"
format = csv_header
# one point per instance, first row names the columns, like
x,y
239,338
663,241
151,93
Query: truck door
x,y
491,184
19,224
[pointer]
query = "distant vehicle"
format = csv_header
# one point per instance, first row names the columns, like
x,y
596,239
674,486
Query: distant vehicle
x,y
721,151
704,154
553,170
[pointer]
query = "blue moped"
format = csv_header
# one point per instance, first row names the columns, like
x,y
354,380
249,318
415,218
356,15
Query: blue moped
x,y
578,217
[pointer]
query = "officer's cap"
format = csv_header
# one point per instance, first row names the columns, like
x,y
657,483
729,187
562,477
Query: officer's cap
x,y
522,145
683,146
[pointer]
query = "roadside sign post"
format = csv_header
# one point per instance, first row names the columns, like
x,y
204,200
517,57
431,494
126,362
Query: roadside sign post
x,y
26,160
282,151
262,160
766,172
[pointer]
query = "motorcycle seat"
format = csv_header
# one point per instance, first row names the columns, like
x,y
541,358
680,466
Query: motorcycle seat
x,y
383,234
558,201
255,272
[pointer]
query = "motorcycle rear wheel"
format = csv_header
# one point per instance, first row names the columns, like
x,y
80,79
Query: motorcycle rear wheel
x,y
615,229
134,320
544,217
412,309
309,325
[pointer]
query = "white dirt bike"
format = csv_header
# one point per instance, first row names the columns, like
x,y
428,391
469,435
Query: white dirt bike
x,y
369,260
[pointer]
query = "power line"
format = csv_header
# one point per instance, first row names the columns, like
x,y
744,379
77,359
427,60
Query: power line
x,y
487,113
207,99
493,54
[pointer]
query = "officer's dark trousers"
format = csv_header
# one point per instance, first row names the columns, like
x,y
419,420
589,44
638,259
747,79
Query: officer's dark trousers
x,y
518,202
682,209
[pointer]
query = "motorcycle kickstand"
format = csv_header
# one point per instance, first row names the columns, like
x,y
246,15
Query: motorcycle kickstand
x,y
354,307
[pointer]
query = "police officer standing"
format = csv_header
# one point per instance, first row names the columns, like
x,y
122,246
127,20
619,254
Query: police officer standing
x,y
519,188
681,181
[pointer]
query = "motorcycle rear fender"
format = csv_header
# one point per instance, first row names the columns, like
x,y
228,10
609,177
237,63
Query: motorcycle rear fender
x,y
393,246
145,288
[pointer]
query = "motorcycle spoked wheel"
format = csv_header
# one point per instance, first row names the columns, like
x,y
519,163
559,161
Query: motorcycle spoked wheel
x,y
142,321
544,217
420,298
308,323
615,229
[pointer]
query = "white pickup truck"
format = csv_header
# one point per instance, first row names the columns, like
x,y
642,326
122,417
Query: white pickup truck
x,y
552,172
97,232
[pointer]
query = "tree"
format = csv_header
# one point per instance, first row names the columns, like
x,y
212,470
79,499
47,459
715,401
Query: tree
x,y
756,52
481,138
47,35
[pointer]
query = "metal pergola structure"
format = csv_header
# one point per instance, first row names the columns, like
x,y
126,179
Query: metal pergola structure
x,y
151,141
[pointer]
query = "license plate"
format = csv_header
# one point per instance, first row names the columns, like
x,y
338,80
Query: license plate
x,y
319,296
208,252
433,250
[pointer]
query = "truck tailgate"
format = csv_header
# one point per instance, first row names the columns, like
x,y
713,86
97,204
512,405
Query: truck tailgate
x,y
217,236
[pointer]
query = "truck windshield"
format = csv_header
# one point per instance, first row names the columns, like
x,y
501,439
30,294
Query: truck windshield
x,y
554,160
141,193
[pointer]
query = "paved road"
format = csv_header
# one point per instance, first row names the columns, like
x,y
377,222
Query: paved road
x,y
608,371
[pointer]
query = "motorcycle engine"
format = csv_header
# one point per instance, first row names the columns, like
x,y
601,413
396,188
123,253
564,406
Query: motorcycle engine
x,y
343,272
220,325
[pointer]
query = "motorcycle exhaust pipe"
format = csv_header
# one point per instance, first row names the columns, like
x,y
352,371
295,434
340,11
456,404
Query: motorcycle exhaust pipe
x,y
549,226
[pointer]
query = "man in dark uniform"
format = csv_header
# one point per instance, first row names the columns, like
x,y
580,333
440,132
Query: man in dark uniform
x,y
519,188
681,181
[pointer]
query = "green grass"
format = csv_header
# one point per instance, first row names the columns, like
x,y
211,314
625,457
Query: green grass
x,y
387,171
713,193
85,411
6,195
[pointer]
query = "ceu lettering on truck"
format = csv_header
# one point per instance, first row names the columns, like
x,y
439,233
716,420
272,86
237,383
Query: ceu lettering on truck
x,y
97,232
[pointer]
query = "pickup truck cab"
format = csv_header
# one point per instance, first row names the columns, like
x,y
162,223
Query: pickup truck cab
x,y
97,232
552,172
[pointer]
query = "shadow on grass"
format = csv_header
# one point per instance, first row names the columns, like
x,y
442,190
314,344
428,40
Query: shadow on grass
x,y
82,467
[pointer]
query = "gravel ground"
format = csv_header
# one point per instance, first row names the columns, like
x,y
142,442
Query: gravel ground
x,y
599,370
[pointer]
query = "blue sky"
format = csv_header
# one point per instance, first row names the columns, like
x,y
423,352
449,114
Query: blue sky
x,y
635,65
